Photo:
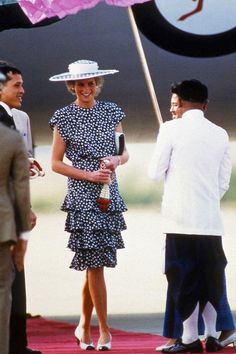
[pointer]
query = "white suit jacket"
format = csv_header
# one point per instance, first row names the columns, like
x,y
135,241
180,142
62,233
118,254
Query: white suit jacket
x,y
22,123
192,156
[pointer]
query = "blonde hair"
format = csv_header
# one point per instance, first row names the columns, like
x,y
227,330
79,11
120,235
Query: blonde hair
x,y
70,84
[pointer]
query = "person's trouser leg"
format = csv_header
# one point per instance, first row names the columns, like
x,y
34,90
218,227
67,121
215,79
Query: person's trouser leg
x,y
195,273
6,279
18,336
173,326
225,321
182,273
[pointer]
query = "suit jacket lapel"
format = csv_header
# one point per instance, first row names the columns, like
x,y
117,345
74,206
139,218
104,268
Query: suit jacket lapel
x,y
6,119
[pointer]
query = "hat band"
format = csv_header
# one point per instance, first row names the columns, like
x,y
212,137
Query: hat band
x,y
78,68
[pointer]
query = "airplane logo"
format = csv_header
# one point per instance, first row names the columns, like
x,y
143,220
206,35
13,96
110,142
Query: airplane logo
x,y
206,29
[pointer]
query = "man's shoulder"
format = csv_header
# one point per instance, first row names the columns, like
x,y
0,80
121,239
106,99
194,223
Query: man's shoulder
x,y
8,133
217,128
171,124
19,114
5,130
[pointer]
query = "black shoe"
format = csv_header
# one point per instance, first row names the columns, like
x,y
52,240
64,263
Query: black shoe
x,y
194,347
26,351
213,344
31,351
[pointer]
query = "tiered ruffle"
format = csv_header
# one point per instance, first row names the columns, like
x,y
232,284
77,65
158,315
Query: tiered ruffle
x,y
94,237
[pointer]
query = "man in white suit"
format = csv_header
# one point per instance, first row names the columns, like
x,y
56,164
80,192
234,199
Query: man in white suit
x,y
192,156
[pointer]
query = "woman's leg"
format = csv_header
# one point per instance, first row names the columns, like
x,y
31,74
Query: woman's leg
x,y
98,293
86,313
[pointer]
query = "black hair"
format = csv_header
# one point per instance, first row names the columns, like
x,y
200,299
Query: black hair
x,y
190,90
8,68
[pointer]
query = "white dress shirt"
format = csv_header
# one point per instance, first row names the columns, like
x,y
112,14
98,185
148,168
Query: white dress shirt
x,y
192,156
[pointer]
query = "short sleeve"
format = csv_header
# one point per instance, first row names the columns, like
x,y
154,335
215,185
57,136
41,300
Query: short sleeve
x,y
58,119
119,115
53,121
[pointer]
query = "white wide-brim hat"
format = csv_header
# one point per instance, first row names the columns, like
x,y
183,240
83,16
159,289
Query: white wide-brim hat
x,y
82,69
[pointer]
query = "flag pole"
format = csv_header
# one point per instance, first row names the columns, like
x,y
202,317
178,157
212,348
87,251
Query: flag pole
x,y
145,66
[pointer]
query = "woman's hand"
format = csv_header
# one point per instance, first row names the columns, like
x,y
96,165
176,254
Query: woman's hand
x,y
111,162
100,176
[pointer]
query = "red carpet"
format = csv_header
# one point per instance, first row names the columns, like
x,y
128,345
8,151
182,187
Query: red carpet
x,y
58,338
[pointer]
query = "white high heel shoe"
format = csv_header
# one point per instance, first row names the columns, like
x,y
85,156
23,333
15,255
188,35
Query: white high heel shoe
x,y
78,336
230,340
106,346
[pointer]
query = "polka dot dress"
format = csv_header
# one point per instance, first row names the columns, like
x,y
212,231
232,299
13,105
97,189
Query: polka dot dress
x,y
89,134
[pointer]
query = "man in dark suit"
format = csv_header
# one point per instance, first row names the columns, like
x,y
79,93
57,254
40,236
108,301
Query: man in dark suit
x,y
14,202
11,97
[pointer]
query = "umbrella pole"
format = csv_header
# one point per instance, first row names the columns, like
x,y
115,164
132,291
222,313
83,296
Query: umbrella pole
x,y
145,66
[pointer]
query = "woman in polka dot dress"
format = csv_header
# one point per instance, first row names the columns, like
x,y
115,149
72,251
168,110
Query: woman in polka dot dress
x,y
84,132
